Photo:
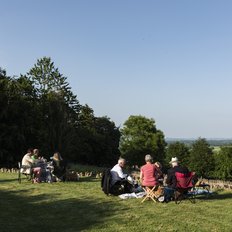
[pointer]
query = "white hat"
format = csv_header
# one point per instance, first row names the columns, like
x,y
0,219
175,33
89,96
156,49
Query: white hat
x,y
174,159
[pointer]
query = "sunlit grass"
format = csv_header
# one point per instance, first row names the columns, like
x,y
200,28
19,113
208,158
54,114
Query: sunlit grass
x,y
82,206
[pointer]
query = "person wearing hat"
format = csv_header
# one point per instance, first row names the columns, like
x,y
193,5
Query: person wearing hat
x,y
171,178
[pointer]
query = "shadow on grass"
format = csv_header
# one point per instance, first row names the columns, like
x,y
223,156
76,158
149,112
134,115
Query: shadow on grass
x,y
215,196
8,180
19,212
88,179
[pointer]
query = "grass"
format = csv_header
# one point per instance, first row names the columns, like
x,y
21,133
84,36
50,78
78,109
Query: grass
x,y
82,206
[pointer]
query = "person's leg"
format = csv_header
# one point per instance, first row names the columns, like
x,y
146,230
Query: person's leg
x,y
37,172
168,193
48,176
128,187
118,188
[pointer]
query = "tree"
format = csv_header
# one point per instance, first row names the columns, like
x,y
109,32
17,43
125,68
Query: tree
x,y
16,117
47,78
108,136
179,150
139,136
201,158
59,108
98,139
223,163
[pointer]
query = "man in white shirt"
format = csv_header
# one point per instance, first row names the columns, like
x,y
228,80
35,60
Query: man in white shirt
x,y
119,183
117,171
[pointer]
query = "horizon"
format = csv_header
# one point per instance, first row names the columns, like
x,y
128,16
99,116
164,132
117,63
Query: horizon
x,y
168,138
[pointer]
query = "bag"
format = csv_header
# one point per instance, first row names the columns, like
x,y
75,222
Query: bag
x,y
159,194
105,181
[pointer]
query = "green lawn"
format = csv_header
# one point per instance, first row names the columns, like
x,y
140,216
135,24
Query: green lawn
x,y
82,206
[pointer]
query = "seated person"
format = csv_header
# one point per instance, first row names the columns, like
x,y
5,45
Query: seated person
x,y
45,175
171,178
148,173
59,167
35,155
119,183
28,166
159,173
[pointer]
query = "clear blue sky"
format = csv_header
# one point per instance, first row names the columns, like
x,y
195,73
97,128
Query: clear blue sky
x,y
170,60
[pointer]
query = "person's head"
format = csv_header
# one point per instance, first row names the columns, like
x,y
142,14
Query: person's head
x,y
158,165
57,156
121,162
174,161
30,151
148,158
36,152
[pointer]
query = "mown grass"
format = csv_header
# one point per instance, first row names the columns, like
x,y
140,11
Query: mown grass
x,y
82,206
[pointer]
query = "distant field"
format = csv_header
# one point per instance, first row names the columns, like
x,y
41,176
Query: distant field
x,y
82,206
212,142
216,149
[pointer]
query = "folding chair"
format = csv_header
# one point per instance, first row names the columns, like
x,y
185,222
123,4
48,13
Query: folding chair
x,y
150,193
185,188
22,170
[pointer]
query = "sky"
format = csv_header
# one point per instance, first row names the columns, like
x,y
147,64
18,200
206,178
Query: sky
x,y
170,60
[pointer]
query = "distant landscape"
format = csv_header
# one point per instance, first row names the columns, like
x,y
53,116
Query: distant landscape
x,y
211,141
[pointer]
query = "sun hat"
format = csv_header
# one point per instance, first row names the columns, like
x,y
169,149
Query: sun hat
x,y
174,159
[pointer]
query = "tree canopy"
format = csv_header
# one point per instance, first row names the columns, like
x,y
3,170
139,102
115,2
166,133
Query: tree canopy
x,y
139,136
201,158
179,150
39,110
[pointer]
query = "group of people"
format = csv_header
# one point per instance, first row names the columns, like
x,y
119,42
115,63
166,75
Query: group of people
x,y
40,169
150,175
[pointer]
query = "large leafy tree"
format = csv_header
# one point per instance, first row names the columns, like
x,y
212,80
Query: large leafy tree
x,y
139,136
179,150
98,139
108,136
223,163
39,110
16,117
201,158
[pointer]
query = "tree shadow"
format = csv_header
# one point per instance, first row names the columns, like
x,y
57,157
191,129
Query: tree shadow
x,y
42,213
8,180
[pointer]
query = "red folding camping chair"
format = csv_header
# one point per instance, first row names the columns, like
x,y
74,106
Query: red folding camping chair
x,y
185,188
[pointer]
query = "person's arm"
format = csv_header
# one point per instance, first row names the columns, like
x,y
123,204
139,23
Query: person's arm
x,y
29,160
141,176
169,178
120,173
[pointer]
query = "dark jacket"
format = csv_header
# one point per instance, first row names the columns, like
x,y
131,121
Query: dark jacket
x,y
171,178
59,168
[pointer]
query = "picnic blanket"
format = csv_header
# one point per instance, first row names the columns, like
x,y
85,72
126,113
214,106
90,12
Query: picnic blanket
x,y
132,195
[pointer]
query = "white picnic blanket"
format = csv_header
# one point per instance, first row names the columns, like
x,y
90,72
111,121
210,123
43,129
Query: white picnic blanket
x,y
132,195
